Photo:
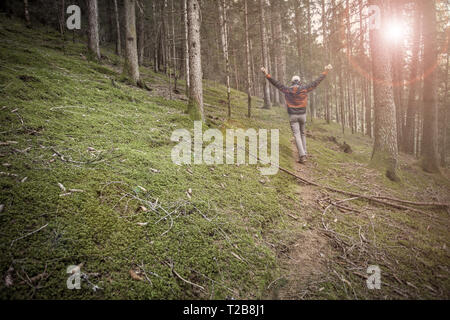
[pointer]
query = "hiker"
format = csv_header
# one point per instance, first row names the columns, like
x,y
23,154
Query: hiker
x,y
296,97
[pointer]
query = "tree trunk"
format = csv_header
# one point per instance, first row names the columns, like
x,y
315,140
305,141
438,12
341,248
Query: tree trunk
x,y
409,129
156,28
273,66
26,13
326,47
247,60
141,32
279,52
312,111
186,47
174,49
264,54
222,5
430,123
385,149
118,39
397,68
256,89
195,104
445,116
131,66
93,38
60,9
368,106
298,33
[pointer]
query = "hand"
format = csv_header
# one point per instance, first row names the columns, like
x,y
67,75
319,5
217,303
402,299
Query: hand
x,y
329,67
263,70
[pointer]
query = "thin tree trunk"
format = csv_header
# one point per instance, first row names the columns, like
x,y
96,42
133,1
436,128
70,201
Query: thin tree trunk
x,y
273,63
222,5
256,89
368,110
430,122
156,27
264,54
186,46
26,13
408,134
310,69
298,34
131,66
397,68
279,52
141,32
168,61
59,8
326,47
247,60
385,149
195,104
174,49
93,38
445,117
118,39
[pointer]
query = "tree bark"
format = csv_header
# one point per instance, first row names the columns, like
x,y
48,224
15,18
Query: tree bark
x,y
326,47
273,63
93,38
222,5
410,126
397,68
186,47
195,104
368,108
141,32
118,39
247,60
298,34
267,103
26,13
312,108
445,116
430,124
174,49
131,66
279,52
385,149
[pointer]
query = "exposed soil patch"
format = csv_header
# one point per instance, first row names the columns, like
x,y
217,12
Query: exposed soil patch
x,y
307,256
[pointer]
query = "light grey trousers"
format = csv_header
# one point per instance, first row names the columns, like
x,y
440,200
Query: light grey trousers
x,y
298,123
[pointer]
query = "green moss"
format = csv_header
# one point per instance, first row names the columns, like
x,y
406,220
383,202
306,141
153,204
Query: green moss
x,y
117,141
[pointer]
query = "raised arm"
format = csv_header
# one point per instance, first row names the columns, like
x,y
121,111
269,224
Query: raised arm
x,y
311,86
274,82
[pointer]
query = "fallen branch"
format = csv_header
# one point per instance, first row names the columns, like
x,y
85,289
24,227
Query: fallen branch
x,y
377,199
29,234
369,198
181,278
432,204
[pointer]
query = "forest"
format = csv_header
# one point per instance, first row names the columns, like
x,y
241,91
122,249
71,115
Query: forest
x,y
92,91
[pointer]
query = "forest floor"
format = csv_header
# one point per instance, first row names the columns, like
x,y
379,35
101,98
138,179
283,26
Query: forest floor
x,y
87,179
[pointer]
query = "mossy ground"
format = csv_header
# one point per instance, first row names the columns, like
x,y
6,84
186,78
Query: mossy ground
x,y
229,228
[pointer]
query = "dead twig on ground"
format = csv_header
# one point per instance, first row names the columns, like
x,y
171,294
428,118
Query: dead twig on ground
x,y
170,265
28,234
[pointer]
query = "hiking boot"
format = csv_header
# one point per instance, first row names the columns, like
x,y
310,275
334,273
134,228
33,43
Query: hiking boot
x,y
302,160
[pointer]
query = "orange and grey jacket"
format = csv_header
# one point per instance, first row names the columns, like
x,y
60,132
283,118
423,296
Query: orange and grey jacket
x,y
296,96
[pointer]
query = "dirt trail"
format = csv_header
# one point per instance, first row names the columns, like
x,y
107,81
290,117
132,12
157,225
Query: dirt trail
x,y
306,258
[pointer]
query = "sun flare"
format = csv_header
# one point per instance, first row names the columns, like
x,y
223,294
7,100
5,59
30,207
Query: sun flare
x,y
395,31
